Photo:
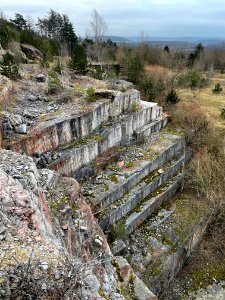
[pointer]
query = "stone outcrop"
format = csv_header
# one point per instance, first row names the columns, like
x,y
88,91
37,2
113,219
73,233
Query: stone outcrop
x,y
47,227
31,52
130,166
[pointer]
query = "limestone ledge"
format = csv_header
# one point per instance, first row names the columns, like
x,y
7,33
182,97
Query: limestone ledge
x,y
49,135
118,134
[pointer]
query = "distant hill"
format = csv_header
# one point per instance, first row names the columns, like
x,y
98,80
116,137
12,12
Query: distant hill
x,y
116,39
175,43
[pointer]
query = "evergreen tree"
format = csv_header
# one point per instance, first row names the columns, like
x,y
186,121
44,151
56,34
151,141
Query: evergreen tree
x,y
166,49
78,62
133,67
172,97
51,25
217,89
67,34
54,83
8,67
19,22
7,33
193,56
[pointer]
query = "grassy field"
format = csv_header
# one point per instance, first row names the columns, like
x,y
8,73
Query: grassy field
x,y
211,103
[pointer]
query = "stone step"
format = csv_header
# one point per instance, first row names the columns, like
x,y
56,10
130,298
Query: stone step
x,y
80,153
51,134
146,131
164,242
133,199
151,203
160,151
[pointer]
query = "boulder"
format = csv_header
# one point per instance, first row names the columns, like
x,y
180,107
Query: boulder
x,y
31,52
18,54
33,97
41,78
119,248
22,128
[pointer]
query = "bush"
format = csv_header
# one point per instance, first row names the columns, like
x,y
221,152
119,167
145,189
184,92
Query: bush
x,y
194,79
133,67
8,67
54,83
134,107
172,97
57,67
222,113
147,85
78,90
97,72
217,89
91,97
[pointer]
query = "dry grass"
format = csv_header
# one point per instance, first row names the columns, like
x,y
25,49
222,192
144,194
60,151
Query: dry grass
x,y
210,103
156,69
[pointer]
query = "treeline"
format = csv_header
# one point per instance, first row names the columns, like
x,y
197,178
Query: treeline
x,y
52,34
158,71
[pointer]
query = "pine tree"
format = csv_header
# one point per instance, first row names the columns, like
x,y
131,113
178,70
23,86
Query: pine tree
x,y
67,34
54,83
78,62
166,49
19,22
8,67
217,89
172,97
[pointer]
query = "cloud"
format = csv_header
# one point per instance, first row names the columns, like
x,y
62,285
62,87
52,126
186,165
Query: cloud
x,y
129,18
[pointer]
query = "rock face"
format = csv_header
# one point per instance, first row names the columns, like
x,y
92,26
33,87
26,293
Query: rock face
x,y
31,52
5,94
49,231
5,90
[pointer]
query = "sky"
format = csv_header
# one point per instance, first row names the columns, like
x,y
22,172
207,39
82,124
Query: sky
x,y
126,18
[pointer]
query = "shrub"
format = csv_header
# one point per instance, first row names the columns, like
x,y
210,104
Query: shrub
x,y
78,90
8,67
222,113
172,97
217,89
133,67
97,72
134,107
123,89
147,85
54,83
195,79
57,67
91,97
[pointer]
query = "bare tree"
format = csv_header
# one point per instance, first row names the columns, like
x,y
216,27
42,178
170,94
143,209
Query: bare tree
x,y
97,30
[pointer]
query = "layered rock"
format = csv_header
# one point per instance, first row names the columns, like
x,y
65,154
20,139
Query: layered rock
x,y
50,243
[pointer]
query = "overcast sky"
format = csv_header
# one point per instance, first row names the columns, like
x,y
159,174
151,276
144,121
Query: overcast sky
x,y
165,18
